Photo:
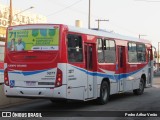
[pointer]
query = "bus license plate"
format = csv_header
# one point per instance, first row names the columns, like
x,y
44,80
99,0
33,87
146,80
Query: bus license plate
x,y
31,83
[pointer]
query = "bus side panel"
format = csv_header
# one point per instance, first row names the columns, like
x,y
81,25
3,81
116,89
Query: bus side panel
x,y
133,78
107,71
113,87
76,82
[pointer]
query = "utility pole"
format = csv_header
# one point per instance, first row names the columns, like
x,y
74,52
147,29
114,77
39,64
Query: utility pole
x,y
89,15
10,13
99,20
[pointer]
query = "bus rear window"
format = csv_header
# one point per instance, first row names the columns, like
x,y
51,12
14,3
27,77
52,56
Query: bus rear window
x,y
33,39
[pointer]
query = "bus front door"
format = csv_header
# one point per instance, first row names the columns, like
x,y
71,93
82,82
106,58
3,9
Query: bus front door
x,y
121,67
89,67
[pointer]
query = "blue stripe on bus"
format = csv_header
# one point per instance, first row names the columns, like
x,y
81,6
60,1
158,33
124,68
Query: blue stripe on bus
x,y
96,73
1,71
29,72
113,76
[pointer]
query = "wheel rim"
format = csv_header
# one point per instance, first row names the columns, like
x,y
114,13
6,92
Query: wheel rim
x,y
104,93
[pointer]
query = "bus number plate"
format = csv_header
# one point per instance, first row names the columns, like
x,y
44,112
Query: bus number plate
x,y
30,83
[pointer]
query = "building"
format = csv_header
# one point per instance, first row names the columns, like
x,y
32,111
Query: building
x,y
18,17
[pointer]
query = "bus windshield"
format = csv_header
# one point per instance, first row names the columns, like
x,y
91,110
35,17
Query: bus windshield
x,y
33,39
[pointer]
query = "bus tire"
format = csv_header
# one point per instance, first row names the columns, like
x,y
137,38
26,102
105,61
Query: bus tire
x,y
141,88
104,93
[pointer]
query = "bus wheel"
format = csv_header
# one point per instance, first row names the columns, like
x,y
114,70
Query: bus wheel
x,y
141,88
104,93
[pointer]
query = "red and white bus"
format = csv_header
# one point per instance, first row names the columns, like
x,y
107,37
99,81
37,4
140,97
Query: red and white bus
x,y
57,61
2,45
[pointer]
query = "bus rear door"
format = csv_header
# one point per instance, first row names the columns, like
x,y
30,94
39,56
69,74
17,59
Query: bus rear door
x,y
121,67
89,60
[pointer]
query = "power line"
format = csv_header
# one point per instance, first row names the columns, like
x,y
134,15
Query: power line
x,y
64,8
73,9
95,16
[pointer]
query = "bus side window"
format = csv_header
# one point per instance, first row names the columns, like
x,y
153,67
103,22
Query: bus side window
x,y
132,52
100,50
75,48
109,51
141,53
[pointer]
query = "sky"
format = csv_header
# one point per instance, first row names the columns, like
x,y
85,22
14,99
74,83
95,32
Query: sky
x,y
126,17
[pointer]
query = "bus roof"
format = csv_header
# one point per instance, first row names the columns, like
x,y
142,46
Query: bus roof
x,y
106,34
85,31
